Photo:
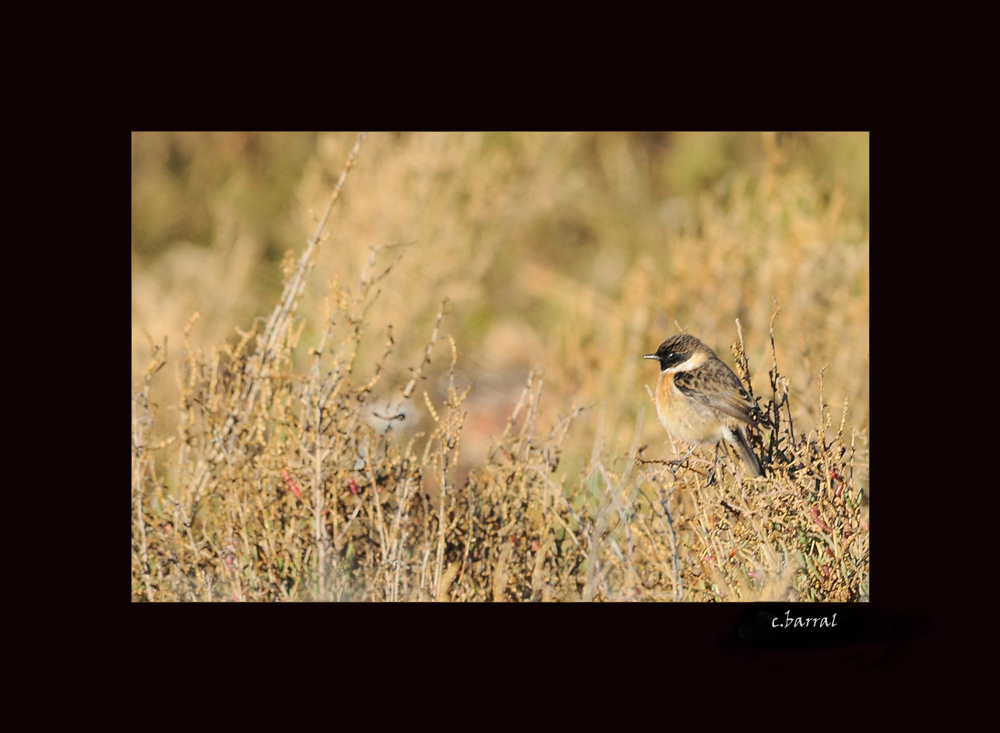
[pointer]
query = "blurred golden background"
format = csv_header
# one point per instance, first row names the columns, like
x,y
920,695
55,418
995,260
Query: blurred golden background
x,y
570,253
261,465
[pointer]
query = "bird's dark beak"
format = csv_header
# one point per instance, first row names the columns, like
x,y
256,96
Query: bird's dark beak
x,y
650,356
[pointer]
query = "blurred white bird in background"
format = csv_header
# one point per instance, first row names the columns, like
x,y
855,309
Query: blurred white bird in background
x,y
397,414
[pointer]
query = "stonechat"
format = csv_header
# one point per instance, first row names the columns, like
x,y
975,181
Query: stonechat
x,y
700,400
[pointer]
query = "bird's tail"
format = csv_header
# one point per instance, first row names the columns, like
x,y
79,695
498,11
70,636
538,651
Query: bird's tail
x,y
739,442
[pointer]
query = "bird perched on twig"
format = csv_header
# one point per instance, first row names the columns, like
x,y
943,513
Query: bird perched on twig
x,y
700,400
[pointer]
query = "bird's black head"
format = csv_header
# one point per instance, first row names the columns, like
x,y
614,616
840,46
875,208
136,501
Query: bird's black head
x,y
676,350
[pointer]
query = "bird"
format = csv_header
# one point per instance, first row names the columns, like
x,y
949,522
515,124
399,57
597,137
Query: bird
x,y
396,414
700,400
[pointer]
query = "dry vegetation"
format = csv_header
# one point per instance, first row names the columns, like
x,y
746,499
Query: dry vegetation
x,y
442,397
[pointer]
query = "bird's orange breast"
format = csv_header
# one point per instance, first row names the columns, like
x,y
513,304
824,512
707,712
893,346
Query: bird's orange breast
x,y
666,395
682,417
668,403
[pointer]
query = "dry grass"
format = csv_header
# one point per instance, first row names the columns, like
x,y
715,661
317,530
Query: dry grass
x,y
487,298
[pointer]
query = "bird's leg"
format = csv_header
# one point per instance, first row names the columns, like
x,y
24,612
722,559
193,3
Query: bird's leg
x,y
715,466
681,461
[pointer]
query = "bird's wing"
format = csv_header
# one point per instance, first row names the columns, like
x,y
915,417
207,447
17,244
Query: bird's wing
x,y
718,389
